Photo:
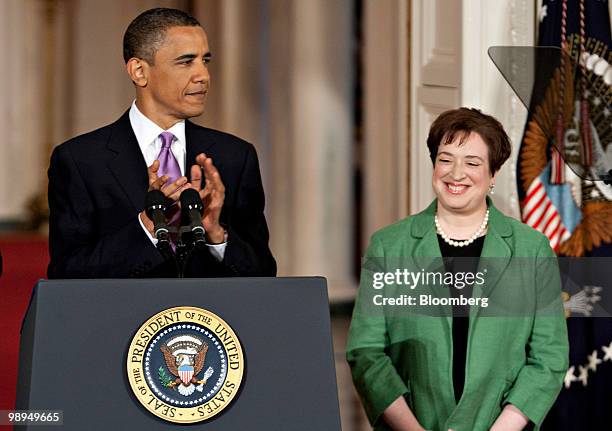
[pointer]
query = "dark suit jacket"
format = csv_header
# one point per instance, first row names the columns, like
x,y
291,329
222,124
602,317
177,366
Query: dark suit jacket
x,y
97,187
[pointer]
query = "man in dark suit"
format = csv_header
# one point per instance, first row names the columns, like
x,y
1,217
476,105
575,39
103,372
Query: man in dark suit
x,y
98,181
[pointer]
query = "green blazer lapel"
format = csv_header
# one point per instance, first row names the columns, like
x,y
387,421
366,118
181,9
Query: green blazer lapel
x,y
426,252
496,253
424,234
427,255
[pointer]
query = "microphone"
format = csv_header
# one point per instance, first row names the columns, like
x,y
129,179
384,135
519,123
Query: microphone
x,y
155,208
192,209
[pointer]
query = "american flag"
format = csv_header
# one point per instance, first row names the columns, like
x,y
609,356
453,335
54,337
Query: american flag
x,y
539,212
573,213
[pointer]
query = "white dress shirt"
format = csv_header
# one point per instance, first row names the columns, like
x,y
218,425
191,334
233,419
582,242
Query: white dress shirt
x,y
147,134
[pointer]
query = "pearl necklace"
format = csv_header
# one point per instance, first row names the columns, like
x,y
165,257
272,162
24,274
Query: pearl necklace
x,y
476,234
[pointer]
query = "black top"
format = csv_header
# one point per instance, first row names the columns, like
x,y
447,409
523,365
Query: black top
x,y
469,255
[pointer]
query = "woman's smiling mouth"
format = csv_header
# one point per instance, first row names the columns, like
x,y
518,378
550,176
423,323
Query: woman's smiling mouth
x,y
456,189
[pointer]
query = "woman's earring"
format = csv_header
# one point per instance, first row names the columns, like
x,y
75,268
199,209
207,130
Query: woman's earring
x,y
492,189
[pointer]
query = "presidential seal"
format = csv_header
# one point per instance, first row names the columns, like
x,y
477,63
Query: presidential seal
x,y
185,364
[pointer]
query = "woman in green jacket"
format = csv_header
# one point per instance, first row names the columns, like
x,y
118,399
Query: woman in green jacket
x,y
494,356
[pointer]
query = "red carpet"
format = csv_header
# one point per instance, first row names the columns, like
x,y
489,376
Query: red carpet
x,y
25,259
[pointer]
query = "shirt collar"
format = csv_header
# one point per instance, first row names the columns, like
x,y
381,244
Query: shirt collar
x,y
147,131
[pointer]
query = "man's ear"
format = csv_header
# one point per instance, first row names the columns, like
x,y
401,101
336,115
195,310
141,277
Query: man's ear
x,y
137,70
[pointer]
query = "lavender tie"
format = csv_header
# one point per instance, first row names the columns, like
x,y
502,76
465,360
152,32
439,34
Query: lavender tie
x,y
167,162
170,167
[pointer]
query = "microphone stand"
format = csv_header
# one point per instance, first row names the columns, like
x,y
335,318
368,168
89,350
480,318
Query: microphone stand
x,y
156,209
184,250
165,248
187,244
190,234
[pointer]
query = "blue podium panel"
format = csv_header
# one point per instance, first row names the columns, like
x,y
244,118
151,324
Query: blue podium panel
x,y
76,340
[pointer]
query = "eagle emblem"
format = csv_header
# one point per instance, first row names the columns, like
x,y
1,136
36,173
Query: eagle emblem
x,y
180,367
184,356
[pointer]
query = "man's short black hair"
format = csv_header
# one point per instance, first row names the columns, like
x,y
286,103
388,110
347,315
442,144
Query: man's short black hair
x,y
146,33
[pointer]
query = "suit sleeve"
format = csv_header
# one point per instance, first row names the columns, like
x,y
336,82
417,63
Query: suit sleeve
x,y
247,253
375,377
539,381
77,249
